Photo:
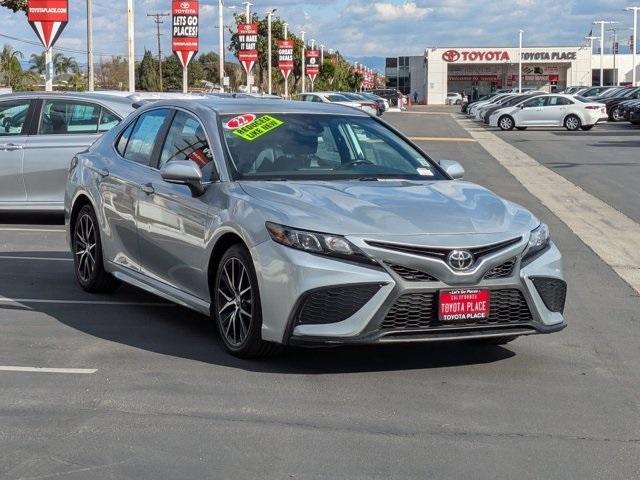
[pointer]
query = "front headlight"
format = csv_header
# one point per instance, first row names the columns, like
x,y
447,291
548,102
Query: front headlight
x,y
318,243
538,241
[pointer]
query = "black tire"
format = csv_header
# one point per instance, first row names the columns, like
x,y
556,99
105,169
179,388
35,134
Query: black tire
x,y
586,128
522,129
616,115
88,261
572,123
506,123
495,340
237,309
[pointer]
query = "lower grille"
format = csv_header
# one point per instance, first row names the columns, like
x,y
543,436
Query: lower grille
x,y
412,275
334,304
420,311
552,291
501,271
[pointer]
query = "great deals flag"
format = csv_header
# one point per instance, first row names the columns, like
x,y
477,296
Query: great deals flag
x,y
185,34
285,56
48,19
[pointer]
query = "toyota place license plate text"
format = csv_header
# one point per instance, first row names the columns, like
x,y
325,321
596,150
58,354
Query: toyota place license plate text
x,y
464,305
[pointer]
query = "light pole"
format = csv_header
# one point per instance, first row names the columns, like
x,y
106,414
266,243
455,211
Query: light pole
x,y
285,26
635,41
614,49
321,55
247,20
221,44
90,44
520,64
602,23
269,54
304,66
591,38
131,47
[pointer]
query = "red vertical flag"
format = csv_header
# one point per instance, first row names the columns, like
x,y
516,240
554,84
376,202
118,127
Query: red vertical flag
x,y
185,29
248,37
48,19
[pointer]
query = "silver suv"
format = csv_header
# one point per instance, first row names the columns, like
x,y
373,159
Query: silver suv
x,y
310,224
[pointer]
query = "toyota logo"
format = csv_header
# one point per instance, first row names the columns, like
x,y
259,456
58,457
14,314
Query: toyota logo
x,y
460,260
451,56
185,5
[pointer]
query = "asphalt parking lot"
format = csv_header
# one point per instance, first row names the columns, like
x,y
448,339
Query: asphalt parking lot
x,y
143,389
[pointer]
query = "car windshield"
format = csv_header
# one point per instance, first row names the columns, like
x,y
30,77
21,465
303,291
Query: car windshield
x,y
337,98
583,99
320,146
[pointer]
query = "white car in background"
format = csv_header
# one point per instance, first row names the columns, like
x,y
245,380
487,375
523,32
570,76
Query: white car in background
x,y
474,107
332,97
454,98
568,111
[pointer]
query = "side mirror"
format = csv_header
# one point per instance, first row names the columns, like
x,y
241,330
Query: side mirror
x,y
452,168
522,107
184,172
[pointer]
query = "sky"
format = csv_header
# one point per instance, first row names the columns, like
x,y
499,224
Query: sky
x,y
360,29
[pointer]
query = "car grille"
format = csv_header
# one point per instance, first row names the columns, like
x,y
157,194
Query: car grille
x,y
552,291
420,311
334,304
441,253
412,275
501,271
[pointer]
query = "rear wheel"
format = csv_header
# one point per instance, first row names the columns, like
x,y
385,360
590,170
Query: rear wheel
x,y
572,123
616,115
506,123
87,254
237,308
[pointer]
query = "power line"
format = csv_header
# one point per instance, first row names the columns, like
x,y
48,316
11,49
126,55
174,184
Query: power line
x,y
157,18
63,49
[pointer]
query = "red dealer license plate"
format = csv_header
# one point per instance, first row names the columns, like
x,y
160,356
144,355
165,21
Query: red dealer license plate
x,y
464,305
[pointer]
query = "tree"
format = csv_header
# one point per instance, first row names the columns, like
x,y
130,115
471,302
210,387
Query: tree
x,y
148,73
15,5
38,63
210,66
10,65
113,73
61,63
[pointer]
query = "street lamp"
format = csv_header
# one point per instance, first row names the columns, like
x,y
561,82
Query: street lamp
x,y
520,64
591,38
321,54
635,40
614,48
304,66
269,15
602,23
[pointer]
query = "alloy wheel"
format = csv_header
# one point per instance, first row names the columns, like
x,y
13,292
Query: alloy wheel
x,y
572,123
235,301
617,114
506,123
85,247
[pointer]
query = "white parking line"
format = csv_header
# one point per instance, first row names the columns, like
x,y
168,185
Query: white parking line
x,y
47,259
5,300
37,230
609,233
77,371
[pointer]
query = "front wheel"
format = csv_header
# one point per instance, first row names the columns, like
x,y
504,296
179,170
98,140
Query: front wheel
x,y
572,123
616,115
87,254
237,308
506,123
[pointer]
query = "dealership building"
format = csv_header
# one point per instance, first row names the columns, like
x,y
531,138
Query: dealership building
x,y
478,71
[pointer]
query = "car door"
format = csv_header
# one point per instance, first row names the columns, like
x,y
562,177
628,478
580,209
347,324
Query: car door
x,y
172,222
554,111
123,177
65,127
14,124
531,112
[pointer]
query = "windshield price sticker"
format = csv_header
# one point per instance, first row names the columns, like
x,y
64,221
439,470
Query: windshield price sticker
x,y
425,172
240,121
258,128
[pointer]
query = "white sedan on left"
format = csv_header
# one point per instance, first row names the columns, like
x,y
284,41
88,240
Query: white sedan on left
x,y
571,112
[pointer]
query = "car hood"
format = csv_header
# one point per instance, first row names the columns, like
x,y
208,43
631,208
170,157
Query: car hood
x,y
388,207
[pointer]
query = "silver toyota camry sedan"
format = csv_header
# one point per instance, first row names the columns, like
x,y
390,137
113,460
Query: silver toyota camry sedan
x,y
307,224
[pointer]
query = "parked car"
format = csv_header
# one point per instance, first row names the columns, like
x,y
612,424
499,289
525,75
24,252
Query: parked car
x,y
39,135
338,98
593,92
307,224
505,103
454,98
471,111
613,104
629,108
390,94
466,104
376,104
383,105
561,110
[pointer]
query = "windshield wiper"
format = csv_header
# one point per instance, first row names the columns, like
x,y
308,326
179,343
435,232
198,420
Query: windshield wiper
x,y
368,179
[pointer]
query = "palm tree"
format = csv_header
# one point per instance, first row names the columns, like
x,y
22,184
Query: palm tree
x,y
10,64
38,63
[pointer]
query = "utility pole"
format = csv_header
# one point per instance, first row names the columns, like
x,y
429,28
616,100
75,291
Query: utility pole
x,y
602,23
520,64
591,38
157,18
321,55
269,54
635,41
221,42
90,44
614,50
131,56
304,64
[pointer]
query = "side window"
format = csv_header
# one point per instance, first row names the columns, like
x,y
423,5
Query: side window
x,y
535,102
186,140
68,117
13,115
144,136
108,120
121,146
559,101
564,101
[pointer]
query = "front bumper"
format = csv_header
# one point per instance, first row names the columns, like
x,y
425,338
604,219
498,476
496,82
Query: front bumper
x,y
288,277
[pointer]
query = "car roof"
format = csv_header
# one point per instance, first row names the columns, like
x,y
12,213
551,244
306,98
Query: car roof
x,y
224,106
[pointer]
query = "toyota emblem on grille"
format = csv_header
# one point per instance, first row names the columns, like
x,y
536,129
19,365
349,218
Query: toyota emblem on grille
x,y
460,259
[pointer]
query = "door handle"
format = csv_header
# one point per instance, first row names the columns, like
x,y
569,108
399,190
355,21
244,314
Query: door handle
x,y
148,189
13,146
